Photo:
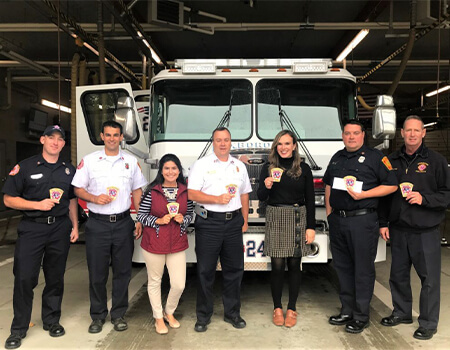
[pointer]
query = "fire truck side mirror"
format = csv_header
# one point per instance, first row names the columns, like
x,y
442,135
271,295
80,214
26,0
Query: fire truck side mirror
x,y
384,118
126,116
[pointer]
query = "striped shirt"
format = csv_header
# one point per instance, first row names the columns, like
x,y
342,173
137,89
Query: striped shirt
x,y
145,207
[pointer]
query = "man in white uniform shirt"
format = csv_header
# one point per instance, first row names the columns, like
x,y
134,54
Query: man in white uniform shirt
x,y
105,179
219,184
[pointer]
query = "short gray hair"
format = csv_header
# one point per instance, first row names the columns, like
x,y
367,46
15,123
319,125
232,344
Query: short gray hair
x,y
414,117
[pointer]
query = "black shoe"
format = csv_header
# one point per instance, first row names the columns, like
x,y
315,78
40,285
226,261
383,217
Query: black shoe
x,y
14,341
424,334
119,324
339,320
393,320
54,329
356,326
237,321
96,326
201,327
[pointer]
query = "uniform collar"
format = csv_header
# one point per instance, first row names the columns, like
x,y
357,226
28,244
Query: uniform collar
x,y
218,161
42,161
422,151
361,151
103,156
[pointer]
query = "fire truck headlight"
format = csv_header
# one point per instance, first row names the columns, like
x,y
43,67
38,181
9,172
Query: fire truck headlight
x,y
320,200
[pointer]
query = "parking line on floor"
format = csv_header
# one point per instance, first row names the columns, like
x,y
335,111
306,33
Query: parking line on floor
x,y
384,295
6,262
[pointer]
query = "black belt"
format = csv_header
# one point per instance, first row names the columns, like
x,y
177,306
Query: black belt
x,y
223,216
348,213
45,220
110,218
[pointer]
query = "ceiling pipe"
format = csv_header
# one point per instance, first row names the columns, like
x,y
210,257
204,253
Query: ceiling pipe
x,y
29,63
73,107
71,27
418,36
101,43
128,21
237,26
408,49
205,14
8,91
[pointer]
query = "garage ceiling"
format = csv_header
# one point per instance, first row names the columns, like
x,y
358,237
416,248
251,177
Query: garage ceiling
x,y
236,29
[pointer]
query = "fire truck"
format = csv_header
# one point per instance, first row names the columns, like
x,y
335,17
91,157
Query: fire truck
x,y
255,99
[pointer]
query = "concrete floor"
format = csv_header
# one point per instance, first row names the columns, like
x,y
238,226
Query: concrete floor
x,y
318,299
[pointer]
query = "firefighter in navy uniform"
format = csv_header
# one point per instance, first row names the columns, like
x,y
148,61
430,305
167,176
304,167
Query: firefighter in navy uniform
x,y
410,218
353,220
40,187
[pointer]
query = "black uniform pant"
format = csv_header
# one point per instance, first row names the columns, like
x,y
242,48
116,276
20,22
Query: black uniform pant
x,y
354,242
109,242
423,250
39,243
216,238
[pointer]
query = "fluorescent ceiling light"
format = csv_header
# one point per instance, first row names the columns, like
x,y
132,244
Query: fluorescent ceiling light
x,y
154,54
89,47
438,91
429,124
356,40
55,106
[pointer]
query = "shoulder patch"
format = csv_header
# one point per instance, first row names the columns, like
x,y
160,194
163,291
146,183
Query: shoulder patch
x,y
15,170
386,163
81,164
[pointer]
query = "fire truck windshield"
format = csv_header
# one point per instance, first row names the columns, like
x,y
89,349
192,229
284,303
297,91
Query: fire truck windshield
x,y
189,109
316,107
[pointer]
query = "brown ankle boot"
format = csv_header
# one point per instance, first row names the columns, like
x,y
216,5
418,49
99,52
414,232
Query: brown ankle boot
x,y
278,318
291,318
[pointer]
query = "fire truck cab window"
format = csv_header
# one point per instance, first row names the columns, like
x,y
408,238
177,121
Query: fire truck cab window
x,y
315,107
190,109
98,107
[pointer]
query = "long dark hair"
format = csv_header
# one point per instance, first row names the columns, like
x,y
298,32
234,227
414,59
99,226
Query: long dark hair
x,y
159,179
274,157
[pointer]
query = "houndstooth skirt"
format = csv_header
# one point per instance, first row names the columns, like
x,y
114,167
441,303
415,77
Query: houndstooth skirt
x,y
285,232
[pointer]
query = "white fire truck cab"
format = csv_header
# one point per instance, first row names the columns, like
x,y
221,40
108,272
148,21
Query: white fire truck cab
x,y
255,99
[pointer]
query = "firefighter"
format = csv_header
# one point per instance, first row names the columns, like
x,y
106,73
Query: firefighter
x,y
411,219
221,185
105,179
353,219
40,188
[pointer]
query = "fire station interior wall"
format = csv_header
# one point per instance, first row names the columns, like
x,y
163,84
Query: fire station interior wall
x,y
17,142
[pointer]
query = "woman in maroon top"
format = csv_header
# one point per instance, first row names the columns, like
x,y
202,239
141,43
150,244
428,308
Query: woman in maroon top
x,y
165,212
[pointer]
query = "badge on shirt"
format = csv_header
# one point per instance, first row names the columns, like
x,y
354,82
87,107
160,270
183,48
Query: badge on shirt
x,y
232,189
422,167
81,164
276,174
406,188
15,170
173,208
56,193
361,159
386,163
67,171
112,192
127,166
